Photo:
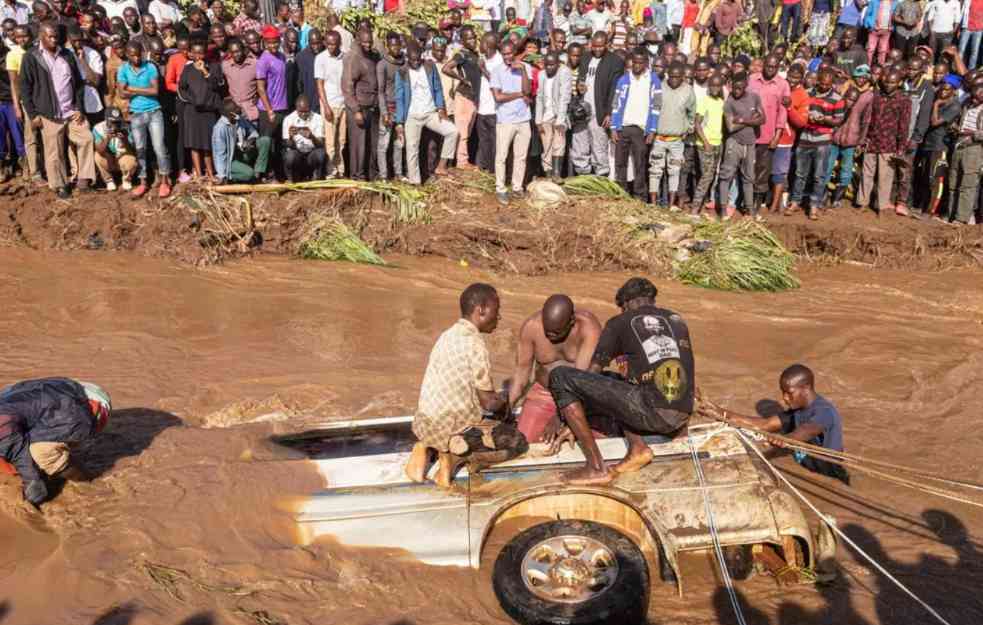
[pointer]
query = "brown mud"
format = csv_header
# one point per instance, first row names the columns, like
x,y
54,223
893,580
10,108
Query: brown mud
x,y
467,225
188,517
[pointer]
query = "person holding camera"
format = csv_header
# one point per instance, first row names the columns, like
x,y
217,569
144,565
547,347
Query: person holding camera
x,y
303,139
114,154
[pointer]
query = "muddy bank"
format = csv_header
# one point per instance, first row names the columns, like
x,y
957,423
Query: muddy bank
x,y
185,480
466,225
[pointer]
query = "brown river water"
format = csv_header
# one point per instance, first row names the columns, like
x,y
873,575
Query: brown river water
x,y
193,357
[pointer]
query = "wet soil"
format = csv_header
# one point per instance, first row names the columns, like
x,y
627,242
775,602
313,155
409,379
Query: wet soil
x,y
467,226
204,365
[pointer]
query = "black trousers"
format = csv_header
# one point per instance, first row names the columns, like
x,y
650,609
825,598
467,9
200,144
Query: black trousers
x,y
762,168
636,407
362,145
485,125
632,142
299,165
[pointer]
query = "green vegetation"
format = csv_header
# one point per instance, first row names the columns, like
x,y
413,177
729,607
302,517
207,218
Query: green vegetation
x,y
327,238
595,186
743,256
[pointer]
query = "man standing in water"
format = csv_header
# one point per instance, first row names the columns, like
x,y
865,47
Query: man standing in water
x,y
657,398
555,336
40,420
457,387
809,417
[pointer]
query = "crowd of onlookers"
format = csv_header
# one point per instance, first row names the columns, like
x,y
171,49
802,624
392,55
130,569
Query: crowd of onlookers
x,y
865,99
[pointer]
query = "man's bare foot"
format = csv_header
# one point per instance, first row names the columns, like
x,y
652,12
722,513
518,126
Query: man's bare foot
x,y
447,466
633,462
418,463
586,476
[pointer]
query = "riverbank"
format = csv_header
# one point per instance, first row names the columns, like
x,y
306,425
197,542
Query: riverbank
x,y
465,224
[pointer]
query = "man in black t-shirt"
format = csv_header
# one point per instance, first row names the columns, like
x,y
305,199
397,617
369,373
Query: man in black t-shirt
x,y
656,398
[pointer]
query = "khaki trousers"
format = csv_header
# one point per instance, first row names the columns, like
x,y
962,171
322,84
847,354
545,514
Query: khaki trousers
x,y
125,164
30,145
554,140
517,137
79,135
52,458
335,140
463,117
884,167
414,128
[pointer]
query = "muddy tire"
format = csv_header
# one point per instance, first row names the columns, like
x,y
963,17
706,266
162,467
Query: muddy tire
x,y
572,573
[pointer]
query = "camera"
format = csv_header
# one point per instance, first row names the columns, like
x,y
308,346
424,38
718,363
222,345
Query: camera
x,y
578,111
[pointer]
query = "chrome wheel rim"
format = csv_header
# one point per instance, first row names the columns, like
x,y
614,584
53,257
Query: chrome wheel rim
x,y
569,569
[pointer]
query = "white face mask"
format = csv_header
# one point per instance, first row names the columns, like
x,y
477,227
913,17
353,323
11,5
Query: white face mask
x,y
653,49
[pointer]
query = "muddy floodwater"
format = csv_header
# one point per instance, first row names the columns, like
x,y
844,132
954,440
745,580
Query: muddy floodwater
x,y
189,518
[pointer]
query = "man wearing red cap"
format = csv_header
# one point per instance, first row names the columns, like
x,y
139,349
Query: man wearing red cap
x,y
40,420
271,82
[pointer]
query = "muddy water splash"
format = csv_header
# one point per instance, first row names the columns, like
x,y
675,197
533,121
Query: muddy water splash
x,y
206,364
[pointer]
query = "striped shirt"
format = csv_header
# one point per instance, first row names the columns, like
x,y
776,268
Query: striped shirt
x,y
830,103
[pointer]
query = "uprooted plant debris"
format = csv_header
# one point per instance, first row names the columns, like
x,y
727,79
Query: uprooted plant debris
x,y
588,225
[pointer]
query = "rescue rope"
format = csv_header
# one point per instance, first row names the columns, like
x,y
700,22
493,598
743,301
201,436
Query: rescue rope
x,y
712,524
859,463
840,532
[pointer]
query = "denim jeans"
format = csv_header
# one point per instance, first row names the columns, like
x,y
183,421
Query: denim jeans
x,y
811,163
791,17
846,167
970,39
139,124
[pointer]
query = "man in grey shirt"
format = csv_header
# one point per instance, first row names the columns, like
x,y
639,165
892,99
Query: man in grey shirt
x,y
675,122
393,60
743,115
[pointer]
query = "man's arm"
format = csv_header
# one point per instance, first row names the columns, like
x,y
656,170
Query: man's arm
x,y
524,362
592,334
264,98
15,94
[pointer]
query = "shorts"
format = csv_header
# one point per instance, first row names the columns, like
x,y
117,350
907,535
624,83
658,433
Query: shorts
x,y
633,406
781,163
52,458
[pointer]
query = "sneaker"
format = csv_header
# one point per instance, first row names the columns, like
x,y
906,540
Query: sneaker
x,y
184,178
164,190
64,193
503,198
519,195
110,186
127,185
140,190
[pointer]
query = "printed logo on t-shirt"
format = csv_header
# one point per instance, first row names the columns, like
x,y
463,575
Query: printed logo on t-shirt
x,y
656,338
671,380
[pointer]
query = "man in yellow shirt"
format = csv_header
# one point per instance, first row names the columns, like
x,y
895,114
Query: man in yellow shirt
x,y
709,128
15,55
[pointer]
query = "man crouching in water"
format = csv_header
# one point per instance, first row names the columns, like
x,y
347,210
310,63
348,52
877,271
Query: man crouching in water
x,y
656,399
457,387
40,420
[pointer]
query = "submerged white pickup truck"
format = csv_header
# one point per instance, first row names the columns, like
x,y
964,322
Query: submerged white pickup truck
x,y
556,553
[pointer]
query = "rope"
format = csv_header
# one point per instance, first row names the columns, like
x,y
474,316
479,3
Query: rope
x,y
712,523
710,409
840,533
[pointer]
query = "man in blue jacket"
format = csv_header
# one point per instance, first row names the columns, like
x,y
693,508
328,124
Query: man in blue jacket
x,y
40,420
240,154
420,104
634,120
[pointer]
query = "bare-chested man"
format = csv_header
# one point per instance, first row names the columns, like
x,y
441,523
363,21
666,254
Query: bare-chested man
x,y
556,336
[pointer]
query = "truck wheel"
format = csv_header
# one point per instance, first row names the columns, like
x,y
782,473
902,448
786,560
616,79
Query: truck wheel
x,y
572,573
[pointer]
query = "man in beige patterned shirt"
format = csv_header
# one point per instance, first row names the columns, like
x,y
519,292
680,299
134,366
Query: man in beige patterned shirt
x,y
457,387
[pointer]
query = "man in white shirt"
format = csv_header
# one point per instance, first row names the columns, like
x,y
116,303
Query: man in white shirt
x,y
633,124
165,12
14,10
943,16
485,121
420,104
303,133
115,8
328,66
92,69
